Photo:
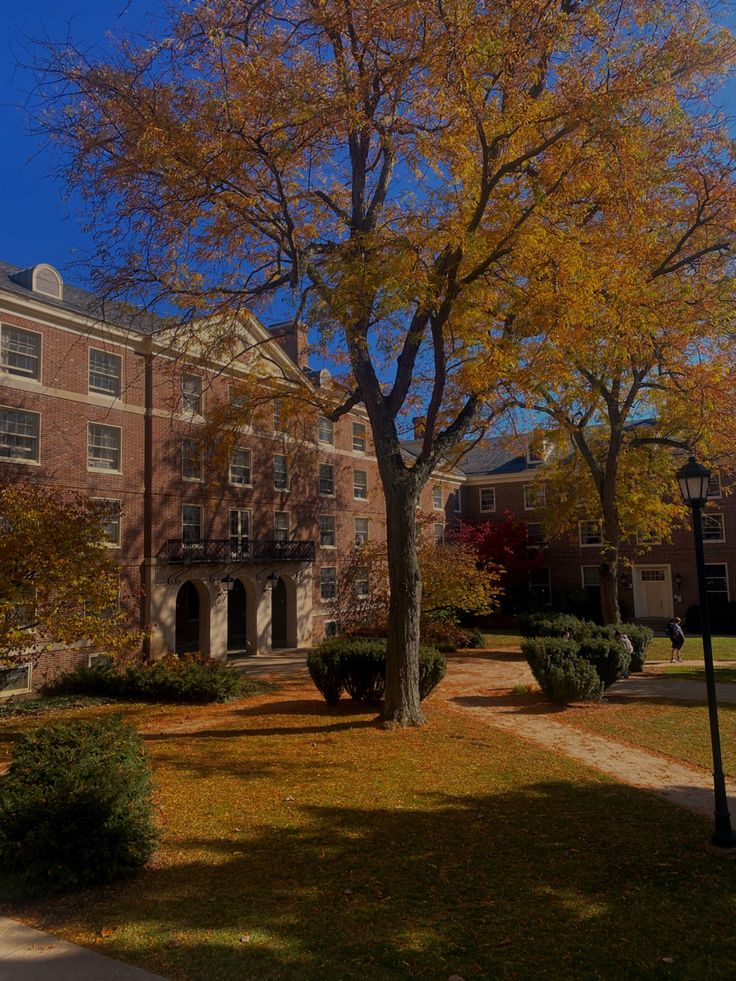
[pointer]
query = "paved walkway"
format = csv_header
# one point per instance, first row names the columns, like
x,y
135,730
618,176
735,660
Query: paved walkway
x,y
482,683
30,955
277,665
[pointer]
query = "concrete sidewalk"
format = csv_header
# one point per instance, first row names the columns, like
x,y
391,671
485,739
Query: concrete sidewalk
x,y
30,955
670,687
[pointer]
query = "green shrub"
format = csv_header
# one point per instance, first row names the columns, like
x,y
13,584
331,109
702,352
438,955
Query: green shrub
x,y
555,625
608,656
559,672
641,638
75,807
445,634
358,666
189,679
477,638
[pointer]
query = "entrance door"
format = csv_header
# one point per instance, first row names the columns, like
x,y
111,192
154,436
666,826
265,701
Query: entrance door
x,y
187,619
653,592
236,632
278,614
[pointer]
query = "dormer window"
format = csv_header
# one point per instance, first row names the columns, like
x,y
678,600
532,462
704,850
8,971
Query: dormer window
x,y
46,280
537,452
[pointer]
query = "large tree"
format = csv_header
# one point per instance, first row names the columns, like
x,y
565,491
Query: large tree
x,y
377,165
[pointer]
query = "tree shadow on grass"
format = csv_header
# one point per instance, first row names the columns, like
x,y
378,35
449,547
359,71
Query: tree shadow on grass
x,y
556,879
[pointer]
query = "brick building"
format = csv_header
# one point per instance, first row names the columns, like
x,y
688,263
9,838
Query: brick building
x,y
228,532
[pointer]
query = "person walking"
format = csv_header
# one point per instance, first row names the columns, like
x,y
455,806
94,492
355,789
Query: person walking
x,y
677,636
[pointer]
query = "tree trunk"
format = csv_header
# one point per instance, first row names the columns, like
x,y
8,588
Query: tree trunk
x,y
610,610
402,706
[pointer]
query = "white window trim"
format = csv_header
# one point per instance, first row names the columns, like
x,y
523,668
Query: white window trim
x,y
364,438
185,410
715,497
483,510
582,577
18,461
728,581
94,391
357,497
26,378
118,501
199,520
319,529
325,442
320,492
282,490
355,531
539,489
120,449
288,525
437,507
457,501
249,512
327,599
715,541
19,691
193,480
580,535
237,483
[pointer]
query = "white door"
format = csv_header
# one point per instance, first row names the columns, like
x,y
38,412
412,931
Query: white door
x,y
653,591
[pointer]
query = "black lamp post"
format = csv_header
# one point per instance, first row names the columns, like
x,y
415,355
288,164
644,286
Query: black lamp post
x,y
693,479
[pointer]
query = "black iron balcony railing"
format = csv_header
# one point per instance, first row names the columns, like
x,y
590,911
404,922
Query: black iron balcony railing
x,y
224,550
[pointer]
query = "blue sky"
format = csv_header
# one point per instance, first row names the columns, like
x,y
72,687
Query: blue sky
x,y
37,223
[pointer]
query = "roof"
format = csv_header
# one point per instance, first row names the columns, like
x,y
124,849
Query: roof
x,y
79,301
493,456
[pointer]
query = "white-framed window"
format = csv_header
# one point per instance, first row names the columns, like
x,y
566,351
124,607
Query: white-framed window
x,y
535,496
240,467
360,485
362,584
103,447
590,533
241,522
19,435
191,394
326,431
439,533
330,628
437,502
457,503
713,528
281,526
105,372
714,485
97,660
280,472
20,352
590,576
191,523
540,584
360,530
191,459
535,533
327,582
327,531
110,509
645,538
716,581
326,480
537,452
16,680
360,438
487,499
279,416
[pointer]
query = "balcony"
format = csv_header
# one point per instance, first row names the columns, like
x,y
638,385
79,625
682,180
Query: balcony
x,y
227,550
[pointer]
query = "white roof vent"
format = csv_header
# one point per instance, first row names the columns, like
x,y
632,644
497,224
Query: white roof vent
x,y
41,279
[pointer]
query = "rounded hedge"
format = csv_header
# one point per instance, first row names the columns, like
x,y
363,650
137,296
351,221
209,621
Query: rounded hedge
x,y
75,807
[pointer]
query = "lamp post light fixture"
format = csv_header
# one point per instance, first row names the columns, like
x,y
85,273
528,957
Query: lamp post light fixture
x,y
693,479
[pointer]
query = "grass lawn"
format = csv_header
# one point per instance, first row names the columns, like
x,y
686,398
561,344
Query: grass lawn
x,y
685,673
724,648
304,842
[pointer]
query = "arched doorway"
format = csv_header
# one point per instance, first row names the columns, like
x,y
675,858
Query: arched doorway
x,y
187,619
279,631
237,635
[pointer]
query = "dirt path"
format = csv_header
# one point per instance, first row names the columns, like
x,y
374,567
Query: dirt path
x,y
482,682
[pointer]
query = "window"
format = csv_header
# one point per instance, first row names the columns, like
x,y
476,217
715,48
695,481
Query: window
x,y
279,416
326,480
280,472
716,581
103,447
19,435
537,452
457,504
648,538
437,503
714,485
191,524
535,533
330,628
109,520
240,525
360,440
540,584
15,681
488,498
191,394
105,372
191,459
591,577
326,431
360,526
713,530
360,485
281,526
327,583
439,533
535,496
240,472
20,352
590,533
327,530
361,584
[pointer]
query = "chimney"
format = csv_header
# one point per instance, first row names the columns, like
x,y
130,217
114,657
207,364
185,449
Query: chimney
x,y
293,339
